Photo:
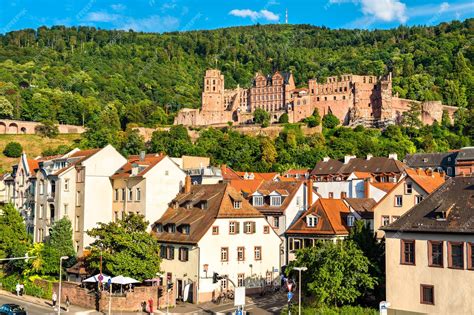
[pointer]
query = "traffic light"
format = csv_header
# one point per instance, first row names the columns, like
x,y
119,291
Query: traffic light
x,y
215,277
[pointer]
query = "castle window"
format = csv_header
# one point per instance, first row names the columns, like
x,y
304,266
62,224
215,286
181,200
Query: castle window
x,y
334,98
325,98
343,97
317,99
345,89
340,89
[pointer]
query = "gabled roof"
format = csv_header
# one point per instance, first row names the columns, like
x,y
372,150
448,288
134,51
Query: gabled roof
x,y
431,159
374,165
363,206
199,209
33,165
145,165
228,173
385,186
261,176
427,181
76,158
332,215
246,186
288,188
466,154
455,198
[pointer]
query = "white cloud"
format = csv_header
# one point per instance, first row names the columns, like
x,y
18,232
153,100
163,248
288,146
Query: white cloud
x,y
118,7
443,8
255,15
101,17
384,10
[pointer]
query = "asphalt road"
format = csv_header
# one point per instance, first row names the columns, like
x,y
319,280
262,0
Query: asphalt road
x,y
31,309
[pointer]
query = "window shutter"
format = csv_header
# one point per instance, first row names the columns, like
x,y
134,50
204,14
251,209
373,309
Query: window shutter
x,y
237,227
253,227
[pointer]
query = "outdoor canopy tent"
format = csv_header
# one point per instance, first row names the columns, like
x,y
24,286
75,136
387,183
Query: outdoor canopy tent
x,y
123,280
95,278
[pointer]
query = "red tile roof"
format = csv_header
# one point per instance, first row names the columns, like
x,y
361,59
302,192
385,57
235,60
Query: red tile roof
x,y
144,165
248,186
228,173
331,213
428,181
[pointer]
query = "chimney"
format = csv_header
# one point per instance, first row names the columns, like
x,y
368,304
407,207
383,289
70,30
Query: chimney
x,y
347,158
326,159
393,156
142,155
187,184
369,156
367,188
310,192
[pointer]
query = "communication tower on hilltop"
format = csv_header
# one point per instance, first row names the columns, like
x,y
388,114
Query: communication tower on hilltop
x,y
286,16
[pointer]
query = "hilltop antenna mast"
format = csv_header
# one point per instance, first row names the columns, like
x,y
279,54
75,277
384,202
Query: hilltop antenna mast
x,y
286,16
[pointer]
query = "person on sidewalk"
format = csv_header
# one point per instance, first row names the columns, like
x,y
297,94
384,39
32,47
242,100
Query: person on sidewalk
x,y
67,303
22,289
17,289
54,298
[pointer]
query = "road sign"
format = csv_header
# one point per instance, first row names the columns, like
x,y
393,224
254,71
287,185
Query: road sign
x,y
100,277
239,296
290,286
290,296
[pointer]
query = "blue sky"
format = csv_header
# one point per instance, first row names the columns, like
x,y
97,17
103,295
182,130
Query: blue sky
x,y
182,15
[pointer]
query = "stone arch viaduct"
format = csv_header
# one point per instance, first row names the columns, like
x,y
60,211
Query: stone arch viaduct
x,y
15,127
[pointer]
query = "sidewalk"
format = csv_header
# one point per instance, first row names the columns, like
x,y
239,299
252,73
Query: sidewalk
x,y
47,304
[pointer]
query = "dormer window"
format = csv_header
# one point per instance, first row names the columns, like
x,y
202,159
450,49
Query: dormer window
x,y
171,228
159,228
237,204
257,201
312,220
409,188
185,228
275,201
204,205
350,220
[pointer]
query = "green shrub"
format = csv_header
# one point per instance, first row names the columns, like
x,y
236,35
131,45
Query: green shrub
x,y
330,121
343,310
13,150
34,290
9,282
284,119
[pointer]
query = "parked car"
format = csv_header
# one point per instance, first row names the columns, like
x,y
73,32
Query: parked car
x,y
12,309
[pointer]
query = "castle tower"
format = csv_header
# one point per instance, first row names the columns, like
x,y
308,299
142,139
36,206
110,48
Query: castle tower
x,y
213,93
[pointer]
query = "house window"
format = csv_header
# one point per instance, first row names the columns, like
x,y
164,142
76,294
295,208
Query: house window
x,y
234,227
408,252
470,256
456,255
241,280
78,198
331,195
343,194
418,199
435,252
240,253
163,251
185,229
40,213
249,227
123,194
311,221
130,194
77,223
167,173
408,188
116,195
398,201
41,187
215,230
276,222
275,201
257,253
170,252
138,195
296,244
449,171
427,294
237,204
65,208
266,229
257,200
183,254
350,220
224,254
66,184
385,220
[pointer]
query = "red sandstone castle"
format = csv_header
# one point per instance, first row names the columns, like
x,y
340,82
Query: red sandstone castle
x,y
354,99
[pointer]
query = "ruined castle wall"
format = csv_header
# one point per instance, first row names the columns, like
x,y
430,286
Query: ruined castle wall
x,y
433,111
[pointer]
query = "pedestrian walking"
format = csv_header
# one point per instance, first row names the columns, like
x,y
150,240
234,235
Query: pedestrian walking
x,y
17,289
22,289
150,305
67,303
54,298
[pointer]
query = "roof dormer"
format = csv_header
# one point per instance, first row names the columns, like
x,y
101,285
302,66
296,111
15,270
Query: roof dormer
x,y
312,220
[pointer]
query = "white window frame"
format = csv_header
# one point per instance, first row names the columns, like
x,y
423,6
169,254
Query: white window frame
x,y
257,201
397,199
66,184
237,204
275,201
350,220
138,194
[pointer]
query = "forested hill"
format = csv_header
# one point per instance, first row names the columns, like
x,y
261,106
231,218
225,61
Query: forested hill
x,y
69,74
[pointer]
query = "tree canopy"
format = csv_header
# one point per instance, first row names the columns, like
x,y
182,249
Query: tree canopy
x,y
127,248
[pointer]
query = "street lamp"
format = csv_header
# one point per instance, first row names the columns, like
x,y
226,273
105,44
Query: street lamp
x,y
60,278
299,286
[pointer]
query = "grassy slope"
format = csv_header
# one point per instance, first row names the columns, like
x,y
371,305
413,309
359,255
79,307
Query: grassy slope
x,y
33,145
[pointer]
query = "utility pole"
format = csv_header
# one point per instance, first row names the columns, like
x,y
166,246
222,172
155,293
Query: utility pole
x,y
60,281
299,286
286,16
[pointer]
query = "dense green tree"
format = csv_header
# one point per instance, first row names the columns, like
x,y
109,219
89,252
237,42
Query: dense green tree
x,y
338,273
261,116
126,247
284,119
132,143
412,117
6,108
13,149
14,240
47,128
330,121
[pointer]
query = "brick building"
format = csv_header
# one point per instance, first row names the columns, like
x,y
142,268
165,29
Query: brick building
x,y
354,99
